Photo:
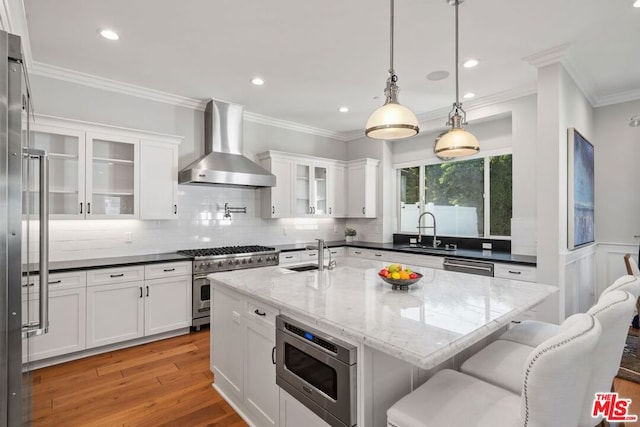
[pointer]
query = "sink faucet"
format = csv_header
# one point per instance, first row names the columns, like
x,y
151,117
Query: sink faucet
x,y
420,227
321,248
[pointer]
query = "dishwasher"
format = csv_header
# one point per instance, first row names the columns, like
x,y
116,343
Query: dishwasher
x,y
481,268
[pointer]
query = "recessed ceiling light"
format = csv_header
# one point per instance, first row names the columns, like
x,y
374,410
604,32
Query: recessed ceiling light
x,y
637,3
473,62
109,34
343,109
468,95
438,75
635,120
258,81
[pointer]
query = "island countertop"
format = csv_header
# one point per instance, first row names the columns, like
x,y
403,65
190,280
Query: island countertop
x,y
438,317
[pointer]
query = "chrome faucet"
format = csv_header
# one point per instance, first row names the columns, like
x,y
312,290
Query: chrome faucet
x,y
420,227
321,248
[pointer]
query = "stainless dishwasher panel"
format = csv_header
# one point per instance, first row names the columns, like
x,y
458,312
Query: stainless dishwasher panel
x,y
481,268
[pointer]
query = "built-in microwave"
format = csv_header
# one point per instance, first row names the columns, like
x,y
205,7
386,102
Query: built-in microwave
x,y
318,370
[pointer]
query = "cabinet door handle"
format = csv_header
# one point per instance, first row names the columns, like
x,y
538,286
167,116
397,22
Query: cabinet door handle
x,y
117,275
273,355
55,282
147,291
329,210
169,269
377,255
312,254
259,313
88,207
80,207
288,257
357,252
175,209
515,272
273,209
140,291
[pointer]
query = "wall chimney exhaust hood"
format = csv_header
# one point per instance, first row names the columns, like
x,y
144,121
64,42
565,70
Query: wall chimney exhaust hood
x,y
223,162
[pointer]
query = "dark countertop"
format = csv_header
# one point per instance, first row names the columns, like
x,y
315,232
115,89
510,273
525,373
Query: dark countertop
x,y
87,264
497,256
476,254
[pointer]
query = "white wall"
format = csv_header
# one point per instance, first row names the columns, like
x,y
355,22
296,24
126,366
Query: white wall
x,y
197,225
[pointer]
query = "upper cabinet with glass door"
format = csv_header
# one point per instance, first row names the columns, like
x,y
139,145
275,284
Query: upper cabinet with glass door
x,y
310,189
112,176
66,150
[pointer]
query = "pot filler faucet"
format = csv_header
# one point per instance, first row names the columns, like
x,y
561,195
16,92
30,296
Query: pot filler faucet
x,y
420,227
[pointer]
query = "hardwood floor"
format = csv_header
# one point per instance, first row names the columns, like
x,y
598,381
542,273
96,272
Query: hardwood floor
x,y
164,383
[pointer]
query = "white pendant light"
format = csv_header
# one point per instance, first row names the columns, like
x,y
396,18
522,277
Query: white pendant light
x,y
457,142
392,120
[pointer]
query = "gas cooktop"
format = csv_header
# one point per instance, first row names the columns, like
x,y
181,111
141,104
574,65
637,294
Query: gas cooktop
x,y
225,250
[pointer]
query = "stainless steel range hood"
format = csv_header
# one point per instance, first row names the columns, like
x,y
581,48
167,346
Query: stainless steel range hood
x,y
223,162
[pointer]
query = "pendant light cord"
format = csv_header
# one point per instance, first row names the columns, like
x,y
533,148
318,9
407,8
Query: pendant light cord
x,y
391,72
457,90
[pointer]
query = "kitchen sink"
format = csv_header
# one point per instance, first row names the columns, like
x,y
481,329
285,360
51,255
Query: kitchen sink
x,y
429,248
304,267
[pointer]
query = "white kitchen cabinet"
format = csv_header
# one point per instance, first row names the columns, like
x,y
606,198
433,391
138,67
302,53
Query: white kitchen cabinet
x,y
295,414
337,252
337,190
95,170
359,253
310,189
66,149
362,182
112,176
277,201
290,257
227,339
67,316
515,271
242,355
167,304
260,389
158,180
115,313
124,303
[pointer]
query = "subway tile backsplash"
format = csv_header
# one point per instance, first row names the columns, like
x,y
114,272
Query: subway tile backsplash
x,y
200,224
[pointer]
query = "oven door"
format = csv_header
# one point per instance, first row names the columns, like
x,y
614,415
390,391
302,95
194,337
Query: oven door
x,y
317,379
201,298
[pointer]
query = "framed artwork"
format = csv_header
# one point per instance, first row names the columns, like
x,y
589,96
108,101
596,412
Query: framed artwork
x,y
580,180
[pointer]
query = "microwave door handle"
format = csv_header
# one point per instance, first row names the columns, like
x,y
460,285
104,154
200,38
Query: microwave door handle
x,y
42,327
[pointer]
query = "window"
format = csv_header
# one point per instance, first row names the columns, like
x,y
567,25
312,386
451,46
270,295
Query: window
x,y
469,198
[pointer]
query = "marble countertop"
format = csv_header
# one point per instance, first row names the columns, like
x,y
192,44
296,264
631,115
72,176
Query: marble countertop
x,y
437,318
82,264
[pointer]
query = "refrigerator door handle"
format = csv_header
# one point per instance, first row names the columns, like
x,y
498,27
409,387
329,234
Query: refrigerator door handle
x,y
42,326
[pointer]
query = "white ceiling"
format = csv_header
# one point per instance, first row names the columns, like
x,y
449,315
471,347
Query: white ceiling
x,y
317,56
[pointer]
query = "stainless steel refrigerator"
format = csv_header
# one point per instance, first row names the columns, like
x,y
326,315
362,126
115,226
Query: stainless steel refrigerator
x,y
23,238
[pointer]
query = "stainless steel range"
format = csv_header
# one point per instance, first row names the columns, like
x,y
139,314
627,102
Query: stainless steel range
x,y
226,258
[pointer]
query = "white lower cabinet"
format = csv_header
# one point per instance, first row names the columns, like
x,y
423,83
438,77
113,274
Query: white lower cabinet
x,y
295,414
115,312
131,302
67,325
242,343
167,304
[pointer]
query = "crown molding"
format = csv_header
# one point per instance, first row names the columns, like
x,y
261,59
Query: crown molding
x,y
65,74
285,124
616,98
547,56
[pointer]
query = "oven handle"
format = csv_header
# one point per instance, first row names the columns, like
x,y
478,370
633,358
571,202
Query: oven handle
x,y
199,277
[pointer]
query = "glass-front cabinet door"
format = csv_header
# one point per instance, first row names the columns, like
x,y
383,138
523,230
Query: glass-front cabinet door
x,y
66,150
301,190
111,176
319,190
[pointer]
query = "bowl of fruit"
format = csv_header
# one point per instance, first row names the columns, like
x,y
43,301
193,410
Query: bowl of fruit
x,y
398,277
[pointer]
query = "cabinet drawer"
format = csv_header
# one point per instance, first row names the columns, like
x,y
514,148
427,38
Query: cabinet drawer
x,y
115,275
337,251
289,257
360,253
518,272
309,255
57,281
262,313
168,269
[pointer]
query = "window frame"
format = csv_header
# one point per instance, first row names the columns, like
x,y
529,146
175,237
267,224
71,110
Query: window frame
x,y
485,155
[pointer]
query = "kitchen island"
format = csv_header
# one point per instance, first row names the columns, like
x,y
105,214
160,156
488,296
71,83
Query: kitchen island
x,y
402,336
